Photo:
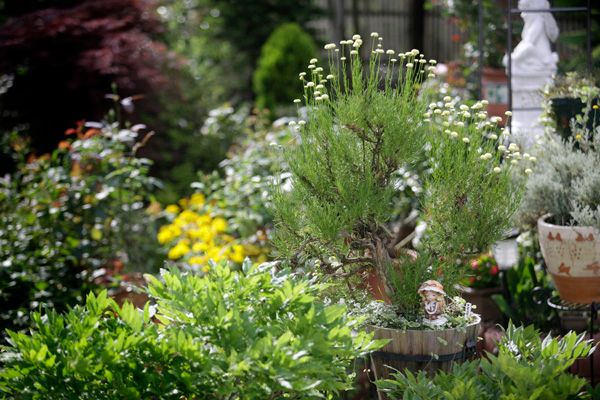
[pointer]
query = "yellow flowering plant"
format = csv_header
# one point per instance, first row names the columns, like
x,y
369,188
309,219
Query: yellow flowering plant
x,y
197,232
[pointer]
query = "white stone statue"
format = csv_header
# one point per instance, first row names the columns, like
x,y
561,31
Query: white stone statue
x,y
533,66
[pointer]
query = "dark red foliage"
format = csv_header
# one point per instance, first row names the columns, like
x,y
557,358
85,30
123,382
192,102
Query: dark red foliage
x,y
64,61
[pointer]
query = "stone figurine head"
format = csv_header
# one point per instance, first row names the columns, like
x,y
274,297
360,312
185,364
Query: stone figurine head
x,y
550,26
433,298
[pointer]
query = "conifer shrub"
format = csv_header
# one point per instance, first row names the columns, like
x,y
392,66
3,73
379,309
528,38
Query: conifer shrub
x,y
364,123
281,57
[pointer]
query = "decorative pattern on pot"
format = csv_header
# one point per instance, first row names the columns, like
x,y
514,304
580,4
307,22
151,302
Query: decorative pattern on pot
x,y
572,255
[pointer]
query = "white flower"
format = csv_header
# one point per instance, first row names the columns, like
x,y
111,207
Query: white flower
x,y
297,101
302,74
379,51
292,123
355,37
390,52
353,52
459,123
310,84
317,93
325,96
446,124
380,39
477,106
493,136
454,134
393,60
431,69
343,58
508,113
447,98
485,102
374,34
319,69
409,65
449,105
482,115
464,107
528,171
445,112
357,43
302,122
532,159
311,66
431,76
502,148
313,61
497,169
486,156
432,62
526,155
513,147
319,87
323,81
466,114
495,119
318,98
414,52
437,111
421,61
329,76
466,140
514,162
427,115
330,46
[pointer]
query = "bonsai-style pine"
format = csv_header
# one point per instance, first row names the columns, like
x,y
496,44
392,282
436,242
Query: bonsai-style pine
x,y
366,121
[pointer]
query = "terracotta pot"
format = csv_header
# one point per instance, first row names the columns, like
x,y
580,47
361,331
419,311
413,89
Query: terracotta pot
x,y
572,255
482,299
413,349
494,87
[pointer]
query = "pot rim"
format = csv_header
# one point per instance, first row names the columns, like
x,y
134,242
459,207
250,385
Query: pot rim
x,y
474,323
542,222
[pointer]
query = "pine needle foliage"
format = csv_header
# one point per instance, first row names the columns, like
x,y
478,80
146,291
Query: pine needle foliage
x,y
366,121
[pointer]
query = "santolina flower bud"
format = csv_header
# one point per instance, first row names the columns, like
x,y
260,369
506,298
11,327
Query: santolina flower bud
x,y
497,169
330,46
330,76
466,140
390,52
409,65
313,61
508,113
374,34
296,101
302,122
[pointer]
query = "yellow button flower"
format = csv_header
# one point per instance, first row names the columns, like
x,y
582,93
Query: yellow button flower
x,y
197,199
172,209
180,249
219,224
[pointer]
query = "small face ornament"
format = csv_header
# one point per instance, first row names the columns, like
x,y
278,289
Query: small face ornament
x,y
434,303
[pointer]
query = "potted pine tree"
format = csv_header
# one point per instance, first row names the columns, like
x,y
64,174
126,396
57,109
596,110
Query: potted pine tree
x,y
366,121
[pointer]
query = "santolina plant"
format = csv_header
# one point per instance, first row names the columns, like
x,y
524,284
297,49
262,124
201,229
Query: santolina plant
x,y
364,122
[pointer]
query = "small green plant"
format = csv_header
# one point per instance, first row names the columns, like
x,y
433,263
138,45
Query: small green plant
x,y
566,181
484,272
282,56
364,124
71,217
252,334
526,367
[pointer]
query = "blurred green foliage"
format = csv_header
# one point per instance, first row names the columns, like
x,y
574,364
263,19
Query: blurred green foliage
x,y
253,334
71,219
282,57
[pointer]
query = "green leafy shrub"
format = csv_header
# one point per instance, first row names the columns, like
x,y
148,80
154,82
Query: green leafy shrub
x,y
526,367
70,217
255,334
281,58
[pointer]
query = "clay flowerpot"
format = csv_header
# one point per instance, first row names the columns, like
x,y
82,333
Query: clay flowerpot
x,y
482,299
494,87
428,350
572,255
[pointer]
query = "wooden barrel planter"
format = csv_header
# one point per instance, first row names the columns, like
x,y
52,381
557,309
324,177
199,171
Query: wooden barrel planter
x,y
422,350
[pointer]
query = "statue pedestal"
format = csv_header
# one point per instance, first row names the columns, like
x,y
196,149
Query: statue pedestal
x,y
527,93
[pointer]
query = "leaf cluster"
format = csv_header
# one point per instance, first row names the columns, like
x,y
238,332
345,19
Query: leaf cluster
x,y
250,334
527,367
